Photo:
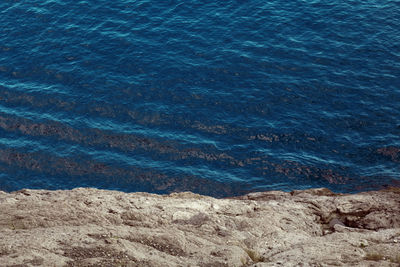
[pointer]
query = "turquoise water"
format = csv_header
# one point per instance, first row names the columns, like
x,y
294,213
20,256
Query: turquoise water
x,y
219,98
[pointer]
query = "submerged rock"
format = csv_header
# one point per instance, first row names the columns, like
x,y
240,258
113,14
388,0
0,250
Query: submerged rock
x,y
90,227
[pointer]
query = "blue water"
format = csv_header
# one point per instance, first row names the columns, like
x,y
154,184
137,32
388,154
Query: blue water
x,y
219,98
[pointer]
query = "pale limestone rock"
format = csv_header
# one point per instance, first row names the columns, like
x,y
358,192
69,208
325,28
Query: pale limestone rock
x,y
90,227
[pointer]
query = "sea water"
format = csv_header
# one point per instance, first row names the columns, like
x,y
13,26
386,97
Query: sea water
x,y
216,97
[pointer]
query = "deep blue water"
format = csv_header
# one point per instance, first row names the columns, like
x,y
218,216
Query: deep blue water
x,y
219,98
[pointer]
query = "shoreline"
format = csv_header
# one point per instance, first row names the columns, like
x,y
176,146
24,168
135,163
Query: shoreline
x,y
94,227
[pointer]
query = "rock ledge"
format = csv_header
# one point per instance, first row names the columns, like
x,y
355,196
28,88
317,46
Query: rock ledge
x,y
91,227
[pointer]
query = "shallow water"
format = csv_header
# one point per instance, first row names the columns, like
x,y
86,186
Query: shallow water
x,y
219,98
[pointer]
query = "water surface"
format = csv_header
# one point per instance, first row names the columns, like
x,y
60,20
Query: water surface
x,y
219,98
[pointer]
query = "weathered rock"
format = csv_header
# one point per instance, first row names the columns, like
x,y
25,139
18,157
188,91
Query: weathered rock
x,y
90,227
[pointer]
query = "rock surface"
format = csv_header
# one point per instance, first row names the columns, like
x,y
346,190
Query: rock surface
x,y
90,227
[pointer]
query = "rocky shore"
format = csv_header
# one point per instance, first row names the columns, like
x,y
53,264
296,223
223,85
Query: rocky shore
x,y
90,227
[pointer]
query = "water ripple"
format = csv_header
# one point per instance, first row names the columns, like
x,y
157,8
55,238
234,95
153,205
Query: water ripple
x,y
220,98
